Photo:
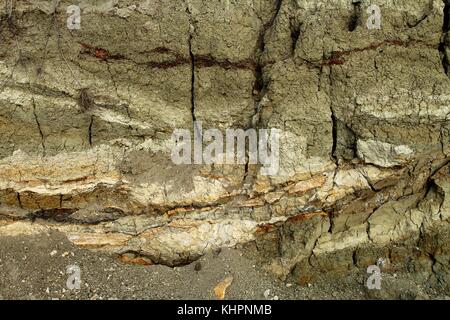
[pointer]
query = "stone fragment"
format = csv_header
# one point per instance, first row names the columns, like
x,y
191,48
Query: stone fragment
x,y
221,288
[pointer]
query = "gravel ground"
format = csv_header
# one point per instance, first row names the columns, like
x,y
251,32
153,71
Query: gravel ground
x,y
35,267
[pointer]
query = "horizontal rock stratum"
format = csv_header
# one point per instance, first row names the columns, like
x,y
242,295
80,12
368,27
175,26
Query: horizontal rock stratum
x,y
87,116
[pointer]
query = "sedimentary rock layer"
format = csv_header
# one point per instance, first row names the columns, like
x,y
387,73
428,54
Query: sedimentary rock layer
x,y
87,115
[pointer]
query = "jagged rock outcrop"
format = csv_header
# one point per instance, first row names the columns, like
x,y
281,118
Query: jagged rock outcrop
x,y
87,116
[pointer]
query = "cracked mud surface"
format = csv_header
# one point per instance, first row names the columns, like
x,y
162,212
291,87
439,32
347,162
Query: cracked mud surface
x,y
86,119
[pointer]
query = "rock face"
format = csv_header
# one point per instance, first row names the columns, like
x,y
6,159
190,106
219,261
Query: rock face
x,y
87,116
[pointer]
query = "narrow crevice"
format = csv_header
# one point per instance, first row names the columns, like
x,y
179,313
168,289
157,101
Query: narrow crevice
x,y
355,18
90,130
419,21
19,200
445,38
258,92
346,141
194,117
441,141
334,134
355,258
246,170
368,228
39,127
435,170
277,11
334,122
446,24
445,59
260,85
295,34
192,63
371,185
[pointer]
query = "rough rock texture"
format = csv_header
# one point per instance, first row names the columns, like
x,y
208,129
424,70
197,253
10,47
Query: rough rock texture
x,y
86,118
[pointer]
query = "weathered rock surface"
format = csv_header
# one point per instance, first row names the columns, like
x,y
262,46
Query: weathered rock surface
x,y
86,118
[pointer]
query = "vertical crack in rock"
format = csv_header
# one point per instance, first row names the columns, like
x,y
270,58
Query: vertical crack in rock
x,y
355,18
19,200
39,126
192,61
257,91
85,102
194,118
334,124
10,9
90,130
260,85
354,258
295,33
334,133
445,31
258,88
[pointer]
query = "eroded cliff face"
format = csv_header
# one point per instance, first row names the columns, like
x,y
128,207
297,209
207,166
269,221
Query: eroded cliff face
x,y
87,116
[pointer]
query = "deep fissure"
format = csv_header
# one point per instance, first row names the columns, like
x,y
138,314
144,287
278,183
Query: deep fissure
x,y
444,44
